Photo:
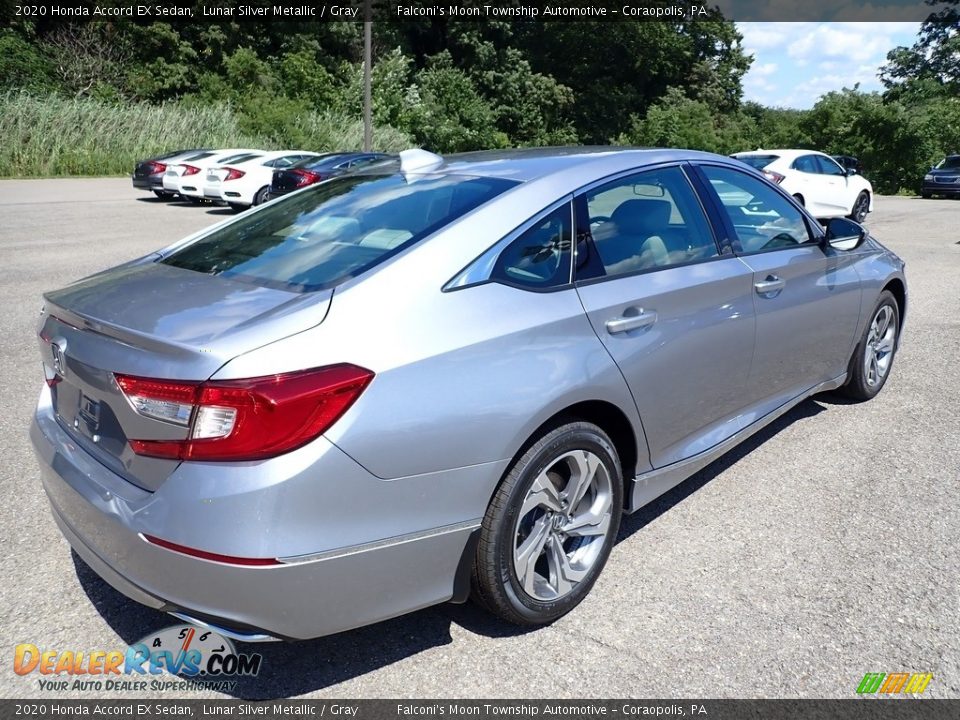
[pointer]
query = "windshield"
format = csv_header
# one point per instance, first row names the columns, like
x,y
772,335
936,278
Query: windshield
x,y
757,161
335,230
950,163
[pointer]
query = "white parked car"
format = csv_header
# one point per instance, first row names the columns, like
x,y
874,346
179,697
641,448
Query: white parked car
x,y
186,179
247,183
816,180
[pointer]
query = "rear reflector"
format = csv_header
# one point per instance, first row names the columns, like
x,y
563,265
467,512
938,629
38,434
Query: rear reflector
x,y
244,419
215,557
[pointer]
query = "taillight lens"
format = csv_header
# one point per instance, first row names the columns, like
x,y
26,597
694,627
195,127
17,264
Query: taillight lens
x,y
233,174
190,169
773,176
156,167
306,177
244,419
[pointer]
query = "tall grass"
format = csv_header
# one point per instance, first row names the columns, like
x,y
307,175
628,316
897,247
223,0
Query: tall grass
x,y
48,136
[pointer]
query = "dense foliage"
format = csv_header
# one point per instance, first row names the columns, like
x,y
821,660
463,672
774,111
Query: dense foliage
x,y
445,85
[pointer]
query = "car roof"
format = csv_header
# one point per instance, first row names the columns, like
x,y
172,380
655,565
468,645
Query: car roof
x,y
785,153
527,164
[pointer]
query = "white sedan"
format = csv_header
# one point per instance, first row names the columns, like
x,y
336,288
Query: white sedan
x,y
241,185
816,180
186,179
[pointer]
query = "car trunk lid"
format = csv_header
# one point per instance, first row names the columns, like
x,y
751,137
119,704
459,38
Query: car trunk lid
x,y
157,321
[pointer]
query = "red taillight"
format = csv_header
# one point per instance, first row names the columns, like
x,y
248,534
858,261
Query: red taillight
x,y
190,169
774,176
244,419
306,177
233,174
216,557
156,167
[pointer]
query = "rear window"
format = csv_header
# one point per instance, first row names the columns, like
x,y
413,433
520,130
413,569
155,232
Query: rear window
x,y
335,230
199,156
757,161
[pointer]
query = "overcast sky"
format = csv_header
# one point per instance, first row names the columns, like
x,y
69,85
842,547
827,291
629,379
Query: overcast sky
x,y
795,63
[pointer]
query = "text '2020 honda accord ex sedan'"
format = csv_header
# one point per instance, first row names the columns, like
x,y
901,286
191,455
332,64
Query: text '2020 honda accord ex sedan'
x,y
438,378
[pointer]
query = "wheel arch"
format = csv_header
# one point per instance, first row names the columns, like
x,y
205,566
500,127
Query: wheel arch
x,y
899,291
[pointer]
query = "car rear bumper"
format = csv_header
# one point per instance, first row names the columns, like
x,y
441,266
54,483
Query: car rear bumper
x,y
344,585
150,183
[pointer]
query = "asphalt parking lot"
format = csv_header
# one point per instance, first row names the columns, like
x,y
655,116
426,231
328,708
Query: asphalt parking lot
x,y
824,548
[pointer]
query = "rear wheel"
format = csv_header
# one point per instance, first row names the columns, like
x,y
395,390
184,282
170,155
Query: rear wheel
x,y
873,356
925,195
263,194
550,526
861,206
192,199
164,195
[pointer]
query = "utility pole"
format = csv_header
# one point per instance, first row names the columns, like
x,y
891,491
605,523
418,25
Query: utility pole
x,y
367,94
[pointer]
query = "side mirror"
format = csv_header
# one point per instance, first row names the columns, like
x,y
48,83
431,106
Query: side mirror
x,y
851,171
844,234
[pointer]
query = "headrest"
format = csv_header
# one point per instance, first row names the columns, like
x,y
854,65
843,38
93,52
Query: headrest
x,y
642,217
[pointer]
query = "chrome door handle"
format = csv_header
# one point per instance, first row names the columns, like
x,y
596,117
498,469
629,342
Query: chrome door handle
x,y
772,284
631,322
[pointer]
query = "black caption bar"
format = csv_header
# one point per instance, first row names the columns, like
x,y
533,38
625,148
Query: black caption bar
x,y
860,709
476,10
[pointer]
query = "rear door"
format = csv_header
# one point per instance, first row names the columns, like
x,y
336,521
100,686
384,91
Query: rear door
x,y
673,310
812,185
806,296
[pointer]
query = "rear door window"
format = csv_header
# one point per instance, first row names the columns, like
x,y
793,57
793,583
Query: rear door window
x,y
335,230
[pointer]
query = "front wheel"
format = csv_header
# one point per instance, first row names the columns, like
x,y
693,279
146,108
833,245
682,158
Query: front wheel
x,y
550,526
873,356
861,207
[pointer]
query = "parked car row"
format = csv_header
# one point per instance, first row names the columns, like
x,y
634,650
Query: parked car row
x,y
241,177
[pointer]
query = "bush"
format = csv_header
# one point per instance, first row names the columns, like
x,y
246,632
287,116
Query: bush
x,y
51,135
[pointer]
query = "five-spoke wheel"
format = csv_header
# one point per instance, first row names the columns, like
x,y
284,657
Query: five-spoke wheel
x,y
551,525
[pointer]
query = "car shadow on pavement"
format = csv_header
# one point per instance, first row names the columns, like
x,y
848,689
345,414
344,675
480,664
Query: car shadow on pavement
x,y
296,668
643,517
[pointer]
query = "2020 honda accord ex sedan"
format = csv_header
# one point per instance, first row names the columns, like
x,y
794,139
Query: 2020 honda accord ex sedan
x,y
439,377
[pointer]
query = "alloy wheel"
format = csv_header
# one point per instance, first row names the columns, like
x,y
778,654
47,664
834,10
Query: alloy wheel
x,y
562,525
878,352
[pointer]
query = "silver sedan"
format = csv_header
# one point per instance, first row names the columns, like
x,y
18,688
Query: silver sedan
x,y
439,378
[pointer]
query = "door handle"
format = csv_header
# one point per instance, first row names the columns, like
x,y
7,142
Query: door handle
x,y
631,322
770,286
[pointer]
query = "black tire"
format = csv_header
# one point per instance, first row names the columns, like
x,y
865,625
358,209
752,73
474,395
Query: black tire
x,y
799,198
192,200
263,194
861,207
495,580
926,195
164,195
861,383
237,207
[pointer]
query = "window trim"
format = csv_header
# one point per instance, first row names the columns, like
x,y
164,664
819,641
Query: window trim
x,y
479,271
580,204
814,229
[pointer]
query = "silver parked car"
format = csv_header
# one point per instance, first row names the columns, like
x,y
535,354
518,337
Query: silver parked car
x,y
439,377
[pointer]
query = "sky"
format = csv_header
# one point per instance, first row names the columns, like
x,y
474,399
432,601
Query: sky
x,y
795,62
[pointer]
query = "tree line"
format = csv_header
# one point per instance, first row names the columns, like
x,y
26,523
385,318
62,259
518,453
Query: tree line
x,y
454,85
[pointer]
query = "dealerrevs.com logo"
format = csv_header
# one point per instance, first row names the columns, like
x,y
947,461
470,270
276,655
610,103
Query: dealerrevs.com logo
x,y
199,657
